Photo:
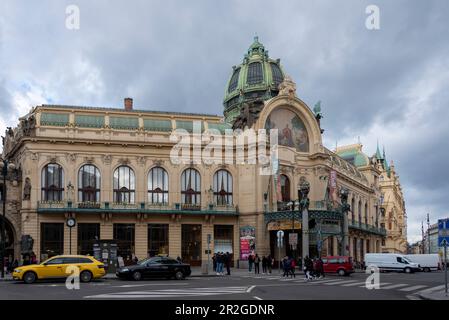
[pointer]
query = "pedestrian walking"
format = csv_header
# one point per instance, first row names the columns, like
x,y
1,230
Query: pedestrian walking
x,y
292,267
270,263
264,264
308,268
256,264
214,262
228,263
319,268
220,264
250,262
286,266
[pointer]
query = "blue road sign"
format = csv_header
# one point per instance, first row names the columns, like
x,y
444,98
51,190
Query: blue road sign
x,y
443,232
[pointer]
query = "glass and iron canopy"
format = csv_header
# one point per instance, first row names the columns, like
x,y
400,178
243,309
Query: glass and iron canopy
x,y
257,77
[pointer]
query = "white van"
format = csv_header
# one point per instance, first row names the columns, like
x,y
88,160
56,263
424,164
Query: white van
x,y
427,262
390,262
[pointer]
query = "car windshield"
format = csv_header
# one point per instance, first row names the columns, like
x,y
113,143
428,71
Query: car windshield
x,y
406,259
143,261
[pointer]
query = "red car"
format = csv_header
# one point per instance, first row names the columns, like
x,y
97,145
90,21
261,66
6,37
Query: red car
x,y
338,264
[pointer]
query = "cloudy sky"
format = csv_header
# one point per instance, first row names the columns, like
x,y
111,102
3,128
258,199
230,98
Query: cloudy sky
x,y
389,84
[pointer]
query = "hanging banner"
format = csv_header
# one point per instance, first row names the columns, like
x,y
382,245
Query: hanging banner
x,y
247,242
333,186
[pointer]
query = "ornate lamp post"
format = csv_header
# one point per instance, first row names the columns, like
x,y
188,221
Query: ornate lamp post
x,y
292,205
345,207
303,194
5,166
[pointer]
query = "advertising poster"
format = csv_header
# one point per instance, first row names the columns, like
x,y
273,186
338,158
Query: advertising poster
x,y
247,242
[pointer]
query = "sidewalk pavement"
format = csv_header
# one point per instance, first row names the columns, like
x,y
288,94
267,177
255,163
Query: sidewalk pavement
x,y
437,295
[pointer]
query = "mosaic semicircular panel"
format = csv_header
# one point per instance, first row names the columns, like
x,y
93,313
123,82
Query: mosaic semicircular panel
x,y
292,131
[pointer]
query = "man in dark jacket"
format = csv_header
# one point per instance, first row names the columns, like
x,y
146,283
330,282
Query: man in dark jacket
x,y
228,263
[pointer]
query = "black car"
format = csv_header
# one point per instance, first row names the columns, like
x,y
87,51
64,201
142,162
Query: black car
x,y
155,267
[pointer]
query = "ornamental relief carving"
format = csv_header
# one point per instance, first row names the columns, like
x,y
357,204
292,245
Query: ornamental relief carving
x,y
107,159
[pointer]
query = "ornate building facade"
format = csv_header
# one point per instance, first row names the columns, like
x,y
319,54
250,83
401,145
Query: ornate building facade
x,y
111,169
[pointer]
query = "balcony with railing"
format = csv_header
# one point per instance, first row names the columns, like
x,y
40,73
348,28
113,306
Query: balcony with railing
x,y
142,207
367,228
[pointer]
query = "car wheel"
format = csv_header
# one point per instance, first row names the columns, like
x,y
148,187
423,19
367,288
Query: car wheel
x,y
341,272
408,270
426,269
29,277
137,276
179,275
86,276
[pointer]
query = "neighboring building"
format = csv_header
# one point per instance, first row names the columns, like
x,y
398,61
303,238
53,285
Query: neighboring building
x,y
415,248
393,206
111,170
431,244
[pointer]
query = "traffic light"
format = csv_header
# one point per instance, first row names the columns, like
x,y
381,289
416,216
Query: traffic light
x,y
312,223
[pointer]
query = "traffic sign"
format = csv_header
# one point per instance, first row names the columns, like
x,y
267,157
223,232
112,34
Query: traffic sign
x,y
280,234
443,232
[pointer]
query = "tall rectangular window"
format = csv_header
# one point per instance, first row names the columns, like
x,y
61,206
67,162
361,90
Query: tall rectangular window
x,y
124,234
88,234
52,240
157,239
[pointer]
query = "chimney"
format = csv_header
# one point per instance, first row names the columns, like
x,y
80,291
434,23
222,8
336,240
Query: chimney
x,y
128,104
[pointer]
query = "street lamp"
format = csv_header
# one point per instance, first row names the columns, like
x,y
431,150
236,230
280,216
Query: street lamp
x,y
5,166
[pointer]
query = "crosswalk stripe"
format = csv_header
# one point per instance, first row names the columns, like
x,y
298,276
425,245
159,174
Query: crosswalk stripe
x,y
325,281
394,286
381,284
429,290
288,279
353,284
339,282
413,288
171,293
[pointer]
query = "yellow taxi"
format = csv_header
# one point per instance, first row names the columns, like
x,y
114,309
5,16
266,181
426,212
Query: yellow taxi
x,y
56,268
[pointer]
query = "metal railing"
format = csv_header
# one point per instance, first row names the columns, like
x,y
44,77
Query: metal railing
x,y
138,207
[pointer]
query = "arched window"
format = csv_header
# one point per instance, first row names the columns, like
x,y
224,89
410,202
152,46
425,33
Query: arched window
x,y
223,188
255,73
234,80
89,184
124,185
52,182
158,186
191,187
285,188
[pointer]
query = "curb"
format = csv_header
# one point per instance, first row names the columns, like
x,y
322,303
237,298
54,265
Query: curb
x,y
429,297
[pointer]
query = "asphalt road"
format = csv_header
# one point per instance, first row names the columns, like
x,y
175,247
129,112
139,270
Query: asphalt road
x,y
243,286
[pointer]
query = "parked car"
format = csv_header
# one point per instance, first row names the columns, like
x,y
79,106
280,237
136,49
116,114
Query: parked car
x,y
427,262
155,267
338,264
55,268
390,262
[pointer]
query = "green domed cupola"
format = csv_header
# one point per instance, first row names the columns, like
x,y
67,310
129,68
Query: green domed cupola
x,y
258,77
